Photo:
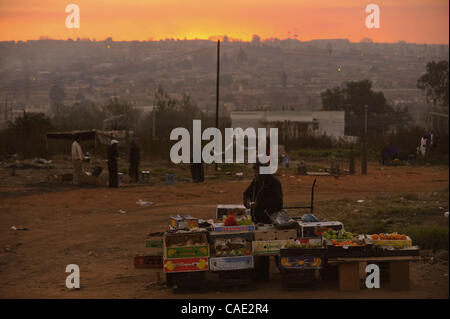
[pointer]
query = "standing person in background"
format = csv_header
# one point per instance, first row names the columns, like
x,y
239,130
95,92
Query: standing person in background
x,y
77,160
423,145
112,164
135,157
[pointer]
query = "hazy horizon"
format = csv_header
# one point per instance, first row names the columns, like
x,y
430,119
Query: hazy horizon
x,y
215,38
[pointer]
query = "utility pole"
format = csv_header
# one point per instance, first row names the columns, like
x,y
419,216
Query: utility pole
x,y
364,155
217,90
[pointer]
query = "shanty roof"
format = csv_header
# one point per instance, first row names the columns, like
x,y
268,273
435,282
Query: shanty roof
x,y
70,135
103,137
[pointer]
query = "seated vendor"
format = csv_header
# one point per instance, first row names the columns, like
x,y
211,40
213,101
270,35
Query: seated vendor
x,y
263,195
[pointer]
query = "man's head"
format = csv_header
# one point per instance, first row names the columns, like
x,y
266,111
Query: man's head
x,y
77,138
133,142
256,167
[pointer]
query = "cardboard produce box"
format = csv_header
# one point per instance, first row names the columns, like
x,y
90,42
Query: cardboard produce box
x,y
154,251
276,234
263,247
230,263
185,245
154,242
186,265
183,222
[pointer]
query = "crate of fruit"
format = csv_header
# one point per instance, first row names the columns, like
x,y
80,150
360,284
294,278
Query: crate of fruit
x,y
183,222
231,247
316,229
247,235
185,245
390,240
234,224
236,210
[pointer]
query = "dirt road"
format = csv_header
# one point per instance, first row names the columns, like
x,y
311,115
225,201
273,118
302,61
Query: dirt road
x,y
83,226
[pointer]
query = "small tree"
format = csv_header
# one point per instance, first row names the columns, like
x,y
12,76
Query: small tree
x,y
352,99
435,82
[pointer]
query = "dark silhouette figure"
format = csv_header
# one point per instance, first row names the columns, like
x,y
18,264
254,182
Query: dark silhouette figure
x,y
112,164
263,194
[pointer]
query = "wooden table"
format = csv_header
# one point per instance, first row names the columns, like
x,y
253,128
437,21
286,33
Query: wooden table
x,y
349,271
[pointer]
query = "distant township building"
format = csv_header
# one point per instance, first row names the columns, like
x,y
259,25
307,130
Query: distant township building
x,y
293,124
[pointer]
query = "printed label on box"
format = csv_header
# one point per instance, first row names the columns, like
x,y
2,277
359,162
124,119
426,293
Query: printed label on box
x,y
187,252
235,228
230,263
186,265
301,262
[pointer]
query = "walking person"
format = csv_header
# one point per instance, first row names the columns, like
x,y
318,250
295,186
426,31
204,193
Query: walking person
x,y
77,160
423,145
112,164
134,158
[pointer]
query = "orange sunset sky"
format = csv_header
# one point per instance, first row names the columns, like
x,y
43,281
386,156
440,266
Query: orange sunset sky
x,y
420,21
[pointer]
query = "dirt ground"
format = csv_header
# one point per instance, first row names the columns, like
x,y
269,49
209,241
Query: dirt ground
x,y
83,226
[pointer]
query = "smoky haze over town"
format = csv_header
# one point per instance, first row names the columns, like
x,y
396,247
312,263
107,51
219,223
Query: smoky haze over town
x,y
270,75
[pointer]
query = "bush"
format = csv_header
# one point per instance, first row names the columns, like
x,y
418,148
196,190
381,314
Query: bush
x,y
429,237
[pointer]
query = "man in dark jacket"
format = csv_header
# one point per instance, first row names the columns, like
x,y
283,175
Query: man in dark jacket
x,y
135,156
263,195
112,164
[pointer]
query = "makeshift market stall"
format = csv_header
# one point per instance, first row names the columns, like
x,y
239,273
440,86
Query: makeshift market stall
x,y
229,246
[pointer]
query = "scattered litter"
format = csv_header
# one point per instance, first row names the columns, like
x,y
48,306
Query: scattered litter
x,y
446,214
157,285
91,253
42,161
360,201
144,203
18,228
121,211
7,248
239,174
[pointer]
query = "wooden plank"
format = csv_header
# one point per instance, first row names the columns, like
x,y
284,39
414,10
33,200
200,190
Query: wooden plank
x,y
339,260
